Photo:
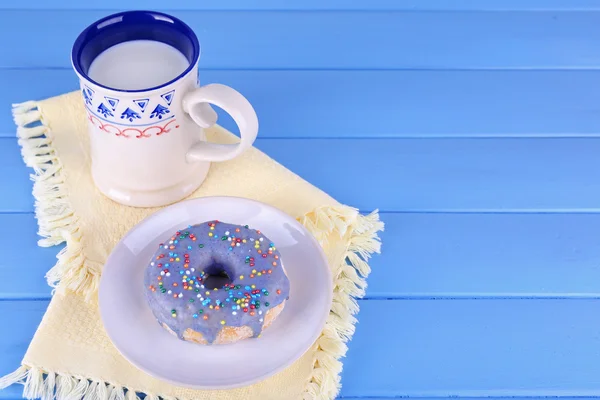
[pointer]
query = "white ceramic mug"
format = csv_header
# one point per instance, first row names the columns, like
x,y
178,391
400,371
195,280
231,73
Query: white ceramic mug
x,y
147,144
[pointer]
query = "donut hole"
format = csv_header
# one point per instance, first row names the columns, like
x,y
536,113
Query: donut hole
x,y
217,276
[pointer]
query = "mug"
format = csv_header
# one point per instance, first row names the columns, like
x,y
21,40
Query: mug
x,y
147,144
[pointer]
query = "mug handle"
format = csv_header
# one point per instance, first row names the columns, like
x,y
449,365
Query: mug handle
x,y
195,103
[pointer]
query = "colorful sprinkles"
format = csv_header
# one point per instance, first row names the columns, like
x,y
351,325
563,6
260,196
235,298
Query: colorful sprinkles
x,y
176,275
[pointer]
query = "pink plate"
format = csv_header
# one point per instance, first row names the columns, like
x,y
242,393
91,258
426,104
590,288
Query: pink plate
x,y
138,337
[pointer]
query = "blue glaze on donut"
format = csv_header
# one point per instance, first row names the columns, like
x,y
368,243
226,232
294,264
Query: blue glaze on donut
x,y
175,277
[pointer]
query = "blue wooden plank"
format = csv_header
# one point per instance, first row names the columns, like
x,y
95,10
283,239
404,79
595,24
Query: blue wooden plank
x,y
392,104
441,175
435,348
309,5
340,40
15,184
456,175
424,256
475,348
21,319
487,255
23,264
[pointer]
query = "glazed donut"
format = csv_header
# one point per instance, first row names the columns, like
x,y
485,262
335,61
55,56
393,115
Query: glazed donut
x,y
216,283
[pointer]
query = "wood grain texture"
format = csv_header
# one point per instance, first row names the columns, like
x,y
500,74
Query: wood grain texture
x,y
335,40
320,104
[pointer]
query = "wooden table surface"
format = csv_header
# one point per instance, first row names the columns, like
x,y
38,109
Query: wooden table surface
x,y
473,125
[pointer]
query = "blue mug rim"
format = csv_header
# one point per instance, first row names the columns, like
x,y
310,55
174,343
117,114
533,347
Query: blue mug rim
x,y
129,19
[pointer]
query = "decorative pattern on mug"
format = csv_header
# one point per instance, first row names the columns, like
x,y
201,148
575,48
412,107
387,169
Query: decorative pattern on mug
x,y
130,115
141,103
127,111
88,95
102,109
133,132
112,102
159,112
168,97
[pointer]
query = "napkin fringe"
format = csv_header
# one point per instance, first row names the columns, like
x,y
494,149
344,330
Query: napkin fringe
x,y
56,219
38,384
349,284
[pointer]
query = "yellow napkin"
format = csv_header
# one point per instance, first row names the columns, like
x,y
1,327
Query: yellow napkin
x,y
71,355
